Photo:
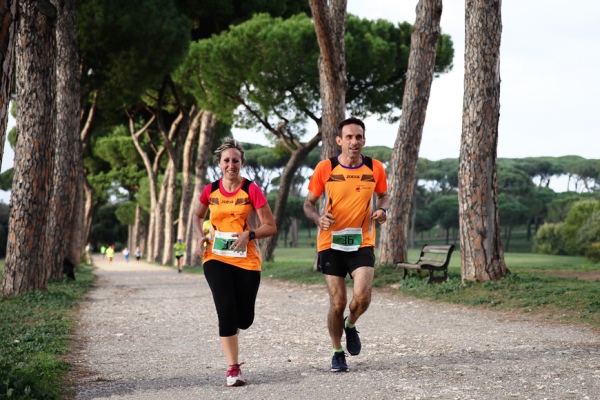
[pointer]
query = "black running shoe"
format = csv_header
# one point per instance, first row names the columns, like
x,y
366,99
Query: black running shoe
x,y
352,340
338,362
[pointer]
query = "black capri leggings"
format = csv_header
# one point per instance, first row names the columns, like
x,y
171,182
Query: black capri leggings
x,y
234,291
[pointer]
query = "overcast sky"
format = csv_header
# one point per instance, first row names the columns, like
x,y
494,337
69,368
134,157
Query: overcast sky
x,y
549,58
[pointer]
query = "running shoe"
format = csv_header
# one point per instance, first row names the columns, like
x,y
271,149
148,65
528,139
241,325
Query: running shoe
x,y
338,362
352,340
234,376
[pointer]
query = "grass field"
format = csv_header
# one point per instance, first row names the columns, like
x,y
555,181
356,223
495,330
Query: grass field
x,y
558,288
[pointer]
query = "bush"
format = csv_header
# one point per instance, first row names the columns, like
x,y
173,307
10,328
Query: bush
x,y
549,240
580,227
593,252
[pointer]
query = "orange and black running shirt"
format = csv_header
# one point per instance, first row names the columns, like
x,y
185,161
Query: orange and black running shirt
x,y
349,196
232,213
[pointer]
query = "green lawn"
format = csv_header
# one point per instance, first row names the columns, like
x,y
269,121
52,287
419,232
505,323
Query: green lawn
x,y
34,337
559,288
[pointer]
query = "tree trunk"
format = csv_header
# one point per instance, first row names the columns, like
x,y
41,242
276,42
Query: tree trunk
x,y
413,221
150,170
330,26
173,140
287,176
8,16
482,257
170,188
205,144
140,229
293,232
61,221
25,266
78,238
421,63
83,203
158,243
88,212
187,185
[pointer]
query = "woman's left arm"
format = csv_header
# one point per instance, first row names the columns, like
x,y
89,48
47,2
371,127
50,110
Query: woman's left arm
x,y
267,223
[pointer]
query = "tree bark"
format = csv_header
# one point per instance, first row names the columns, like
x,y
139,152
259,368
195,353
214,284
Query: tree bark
x,y
393,240
298,155
413,221
88,207
8,16
330,26
205,144
61,222
293,232
482,256
151,171
140,230
167,238
24,269
187,168
83,200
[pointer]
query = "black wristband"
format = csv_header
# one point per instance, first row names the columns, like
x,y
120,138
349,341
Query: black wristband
x,y
252,235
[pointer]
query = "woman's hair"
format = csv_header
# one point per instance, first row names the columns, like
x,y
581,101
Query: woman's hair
x,y
229,143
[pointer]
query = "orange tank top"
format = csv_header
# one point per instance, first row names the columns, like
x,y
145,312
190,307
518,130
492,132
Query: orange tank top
x,y
229,213
349,195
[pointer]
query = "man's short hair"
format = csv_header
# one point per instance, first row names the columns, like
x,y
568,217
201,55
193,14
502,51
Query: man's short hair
x,y
350,121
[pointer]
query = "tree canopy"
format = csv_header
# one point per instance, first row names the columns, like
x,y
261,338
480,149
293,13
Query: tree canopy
x,y
129,46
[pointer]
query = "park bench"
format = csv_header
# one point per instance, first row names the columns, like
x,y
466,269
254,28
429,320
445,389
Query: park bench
x,y
432,259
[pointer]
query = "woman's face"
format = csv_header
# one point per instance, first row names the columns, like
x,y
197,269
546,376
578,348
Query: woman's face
x,y
231,163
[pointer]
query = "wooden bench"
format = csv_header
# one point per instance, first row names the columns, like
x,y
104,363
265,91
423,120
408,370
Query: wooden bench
x,y
432,259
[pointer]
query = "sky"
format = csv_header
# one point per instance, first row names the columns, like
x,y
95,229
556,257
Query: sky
x,y
549,63
549,58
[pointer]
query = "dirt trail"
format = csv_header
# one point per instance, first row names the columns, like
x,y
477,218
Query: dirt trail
x,y
147,332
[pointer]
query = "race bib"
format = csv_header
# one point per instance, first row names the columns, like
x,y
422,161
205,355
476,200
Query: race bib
x,y
222,245
348,239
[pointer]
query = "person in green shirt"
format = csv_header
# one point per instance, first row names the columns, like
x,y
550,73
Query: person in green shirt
x,y
110,253
179,252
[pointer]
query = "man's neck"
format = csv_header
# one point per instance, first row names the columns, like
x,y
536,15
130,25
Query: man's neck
x,y
350,162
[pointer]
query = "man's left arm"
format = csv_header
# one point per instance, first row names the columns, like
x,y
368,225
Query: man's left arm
x,y
380,214
383,200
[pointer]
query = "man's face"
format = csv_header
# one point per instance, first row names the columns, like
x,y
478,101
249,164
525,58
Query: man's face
x,y
352,141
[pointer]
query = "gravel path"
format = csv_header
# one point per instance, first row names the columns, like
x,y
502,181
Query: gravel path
x,y
147,332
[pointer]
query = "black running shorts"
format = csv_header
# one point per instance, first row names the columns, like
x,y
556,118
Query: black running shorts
x,y
340,263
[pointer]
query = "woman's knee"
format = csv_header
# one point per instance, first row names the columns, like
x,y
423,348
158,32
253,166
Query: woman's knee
x,y
246,323
227,329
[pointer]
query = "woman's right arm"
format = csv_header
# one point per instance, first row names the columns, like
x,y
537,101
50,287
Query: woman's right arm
x,y
198,221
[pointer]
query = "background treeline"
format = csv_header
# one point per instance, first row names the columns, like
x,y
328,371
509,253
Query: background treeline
x,y
161,88
564,223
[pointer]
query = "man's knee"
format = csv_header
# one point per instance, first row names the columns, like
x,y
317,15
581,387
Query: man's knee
x,y
362,299
338,305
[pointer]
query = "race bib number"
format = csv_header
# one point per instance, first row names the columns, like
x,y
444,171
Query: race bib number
x,y
222,245
348,239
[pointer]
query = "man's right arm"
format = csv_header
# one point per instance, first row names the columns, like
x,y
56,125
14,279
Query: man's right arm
x,y
310,208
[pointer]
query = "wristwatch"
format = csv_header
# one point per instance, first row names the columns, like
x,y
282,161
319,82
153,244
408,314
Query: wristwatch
x,y
252,235
384,210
